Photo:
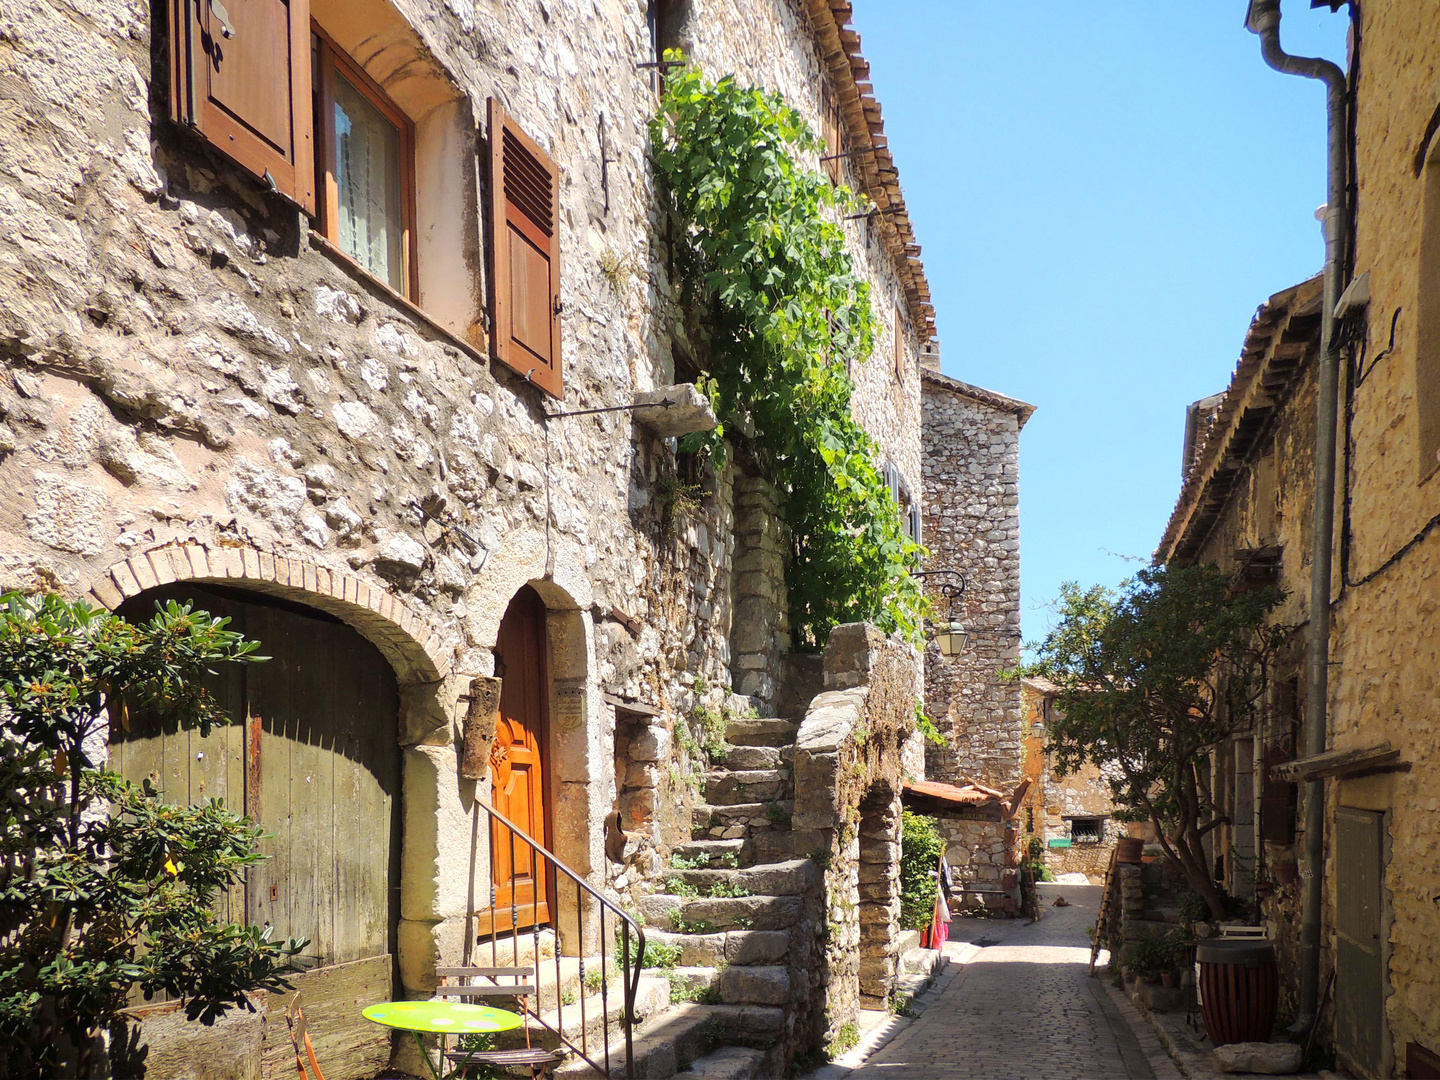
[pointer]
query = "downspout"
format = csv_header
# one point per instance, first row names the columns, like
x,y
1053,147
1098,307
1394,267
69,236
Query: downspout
x,y
1264,20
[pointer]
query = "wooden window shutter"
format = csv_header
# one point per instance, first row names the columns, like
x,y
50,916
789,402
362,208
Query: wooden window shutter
x,y
240,76
524,254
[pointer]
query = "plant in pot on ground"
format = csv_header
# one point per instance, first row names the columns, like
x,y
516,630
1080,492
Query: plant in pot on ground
x,y
1154,958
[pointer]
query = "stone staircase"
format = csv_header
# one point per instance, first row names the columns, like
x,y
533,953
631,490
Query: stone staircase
x,y
737,916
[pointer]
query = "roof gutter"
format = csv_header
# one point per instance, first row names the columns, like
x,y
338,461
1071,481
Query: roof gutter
x,y
1264,19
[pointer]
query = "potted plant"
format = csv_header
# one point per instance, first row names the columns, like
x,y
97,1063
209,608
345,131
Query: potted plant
x,y
1152,957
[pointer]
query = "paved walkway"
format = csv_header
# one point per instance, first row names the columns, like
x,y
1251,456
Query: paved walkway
x,y
1023,1008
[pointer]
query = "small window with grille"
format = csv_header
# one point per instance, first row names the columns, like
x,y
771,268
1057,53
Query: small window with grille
x,y
1087,830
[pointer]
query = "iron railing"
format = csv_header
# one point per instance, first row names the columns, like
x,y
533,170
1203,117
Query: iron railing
x,y
629,939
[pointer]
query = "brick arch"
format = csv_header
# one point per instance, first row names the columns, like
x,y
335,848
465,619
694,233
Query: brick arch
x,y
414,649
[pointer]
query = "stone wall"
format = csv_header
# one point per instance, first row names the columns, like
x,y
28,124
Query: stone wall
x,y
848,779
972,525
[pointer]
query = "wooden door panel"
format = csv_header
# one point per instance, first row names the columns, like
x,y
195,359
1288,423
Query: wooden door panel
x,y
517,769
1360,975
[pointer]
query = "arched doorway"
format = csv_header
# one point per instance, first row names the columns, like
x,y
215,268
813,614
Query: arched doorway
x,y
314,757
518,774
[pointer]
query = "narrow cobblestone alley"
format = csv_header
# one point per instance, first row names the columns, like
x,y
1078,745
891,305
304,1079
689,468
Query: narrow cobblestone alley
x,y
1022,1008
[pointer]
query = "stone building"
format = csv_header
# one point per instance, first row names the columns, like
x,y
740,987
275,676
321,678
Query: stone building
x,y
314,368
1247,504
1070,815
971,526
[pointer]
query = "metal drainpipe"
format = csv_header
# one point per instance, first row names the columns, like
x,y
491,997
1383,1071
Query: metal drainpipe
x,y
1264,20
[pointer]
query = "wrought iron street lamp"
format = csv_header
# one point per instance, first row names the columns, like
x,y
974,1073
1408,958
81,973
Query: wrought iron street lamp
x,y
950,636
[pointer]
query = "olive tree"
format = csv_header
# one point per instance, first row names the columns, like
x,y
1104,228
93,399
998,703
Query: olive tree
x,y
1153,678
103,886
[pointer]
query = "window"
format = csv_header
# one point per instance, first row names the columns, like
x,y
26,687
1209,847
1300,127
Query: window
x,y
832,133
904,499
524,254
901,354
381,154
1087,830
1427,347
365,161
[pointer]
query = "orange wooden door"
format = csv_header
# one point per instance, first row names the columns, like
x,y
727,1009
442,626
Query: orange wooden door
x,y
517,769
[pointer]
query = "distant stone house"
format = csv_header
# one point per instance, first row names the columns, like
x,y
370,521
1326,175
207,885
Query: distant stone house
x,y
293,297
1069,814
971,443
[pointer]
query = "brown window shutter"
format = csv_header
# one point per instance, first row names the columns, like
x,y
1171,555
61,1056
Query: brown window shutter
x,y
240,76
524,254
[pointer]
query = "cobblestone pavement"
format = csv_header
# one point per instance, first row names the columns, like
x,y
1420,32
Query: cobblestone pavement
x,y
1023,1008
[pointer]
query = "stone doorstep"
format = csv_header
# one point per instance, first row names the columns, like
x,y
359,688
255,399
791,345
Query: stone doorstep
x,y
684,1035
794,877
763,732
727,1063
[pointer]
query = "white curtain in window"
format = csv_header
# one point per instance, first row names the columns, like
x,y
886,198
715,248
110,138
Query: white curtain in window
x,y
367,177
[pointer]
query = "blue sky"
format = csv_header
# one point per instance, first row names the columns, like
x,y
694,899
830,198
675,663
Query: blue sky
x,y
1104,193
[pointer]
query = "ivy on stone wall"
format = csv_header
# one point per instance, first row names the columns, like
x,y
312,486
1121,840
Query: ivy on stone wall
x,y
781,312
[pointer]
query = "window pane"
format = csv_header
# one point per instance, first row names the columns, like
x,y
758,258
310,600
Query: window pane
x,y
367,178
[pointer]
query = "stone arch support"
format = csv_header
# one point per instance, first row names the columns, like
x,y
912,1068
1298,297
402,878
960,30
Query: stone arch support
x,y
849,772
417,651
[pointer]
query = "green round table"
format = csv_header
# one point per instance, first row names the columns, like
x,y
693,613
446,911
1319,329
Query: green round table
x,y
441,1018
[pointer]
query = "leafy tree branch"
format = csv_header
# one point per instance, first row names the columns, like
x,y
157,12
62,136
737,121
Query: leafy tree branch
x,y
1153,679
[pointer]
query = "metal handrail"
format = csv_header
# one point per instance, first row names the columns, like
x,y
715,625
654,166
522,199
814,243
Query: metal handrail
x,y
631,959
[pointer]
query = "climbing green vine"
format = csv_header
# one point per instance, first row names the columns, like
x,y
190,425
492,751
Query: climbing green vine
x,y
781,312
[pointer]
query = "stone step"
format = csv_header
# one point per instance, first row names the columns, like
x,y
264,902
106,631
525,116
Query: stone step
x,y
685,1034
766,732
759,757
737,820
512,950
735,947
792,878
921,961
727,1063
709,915
719,853
725,787
754,985
587,1029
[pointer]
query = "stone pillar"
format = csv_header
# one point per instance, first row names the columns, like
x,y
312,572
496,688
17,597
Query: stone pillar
x,y
879,880
760,631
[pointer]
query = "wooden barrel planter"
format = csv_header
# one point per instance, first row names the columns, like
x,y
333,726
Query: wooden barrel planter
x,y
1239,990
1129,849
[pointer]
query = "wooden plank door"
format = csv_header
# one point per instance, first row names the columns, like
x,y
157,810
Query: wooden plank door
x,y
1360,974
517,769
314,759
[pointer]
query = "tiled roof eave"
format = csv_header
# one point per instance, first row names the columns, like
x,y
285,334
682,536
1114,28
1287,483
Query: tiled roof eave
x,y
849,73
1278,343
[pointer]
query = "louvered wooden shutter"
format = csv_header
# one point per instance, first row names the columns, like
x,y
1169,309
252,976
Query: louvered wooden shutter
x,y
240,76
524,254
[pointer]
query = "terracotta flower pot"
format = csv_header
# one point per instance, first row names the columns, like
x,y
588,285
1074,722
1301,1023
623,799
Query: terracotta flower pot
x,y
1129,849
1169,979
1287,873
